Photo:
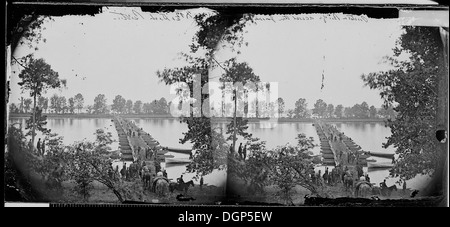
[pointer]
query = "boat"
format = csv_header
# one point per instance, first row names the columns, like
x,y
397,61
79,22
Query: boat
x,y
328,156
381,155
178,150
177,160
326,151
380,165
328,161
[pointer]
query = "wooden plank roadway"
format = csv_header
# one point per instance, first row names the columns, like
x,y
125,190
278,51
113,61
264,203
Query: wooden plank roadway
x,y
341,147
136,144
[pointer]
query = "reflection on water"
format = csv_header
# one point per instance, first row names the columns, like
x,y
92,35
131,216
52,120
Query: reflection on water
x,y
370,136
76,129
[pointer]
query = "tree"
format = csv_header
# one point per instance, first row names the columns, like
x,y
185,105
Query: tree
x,y
71,106
129,106
372,112
290,113
162,106
320,108
43,103
54,103
119,104
37,77
364,110
301,110
62,104
214,31
285,166
281,106
137,107
90,109
13,108
40,122
338,111
147,108
387,112
99,106
79,101
237,72
27,104
21,105
330,110
348,112
411,88
291,166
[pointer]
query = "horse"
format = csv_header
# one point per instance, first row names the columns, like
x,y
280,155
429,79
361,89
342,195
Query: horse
x,y
147,179
376,190
363,190
161,187
388,191
348,181
180,186
325,177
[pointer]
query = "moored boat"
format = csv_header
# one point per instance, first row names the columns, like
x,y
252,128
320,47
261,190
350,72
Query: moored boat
x,y
384,165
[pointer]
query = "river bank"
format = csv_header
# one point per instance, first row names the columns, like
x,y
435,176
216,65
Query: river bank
x,y
213,119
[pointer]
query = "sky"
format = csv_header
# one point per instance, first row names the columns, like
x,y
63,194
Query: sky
x,y
105,54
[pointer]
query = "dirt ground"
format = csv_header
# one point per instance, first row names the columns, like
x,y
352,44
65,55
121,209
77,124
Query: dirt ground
x,y
271,194
206,195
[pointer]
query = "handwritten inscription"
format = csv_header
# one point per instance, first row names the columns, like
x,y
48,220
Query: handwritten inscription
x,y
135,15
178,16
325,18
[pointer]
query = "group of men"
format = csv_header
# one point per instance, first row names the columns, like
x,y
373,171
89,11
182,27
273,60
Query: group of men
x,y
242,151
40,146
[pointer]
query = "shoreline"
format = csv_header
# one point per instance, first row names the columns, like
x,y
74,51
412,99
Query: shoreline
x,y
213,119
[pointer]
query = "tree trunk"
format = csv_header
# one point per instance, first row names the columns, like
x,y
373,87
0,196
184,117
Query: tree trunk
x,y
117,193
234,120
34,121
256,105
439,183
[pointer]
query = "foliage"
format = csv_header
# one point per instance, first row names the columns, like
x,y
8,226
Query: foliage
x,y
79,101
27,105
254,171
372,112
71,106
330,110
129,106
17,169
241,128
209,146
338,111
137,108
119,104
89,162
291,166
99,106
280,106
320,108
285,166
43,103
300,110
13,108
40,122
213,30
38,76
410,87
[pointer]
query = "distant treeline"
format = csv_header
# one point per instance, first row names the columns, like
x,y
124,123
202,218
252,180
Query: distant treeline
x,y
75,105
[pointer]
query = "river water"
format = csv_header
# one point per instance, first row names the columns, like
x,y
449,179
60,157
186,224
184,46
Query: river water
x,y
168,132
